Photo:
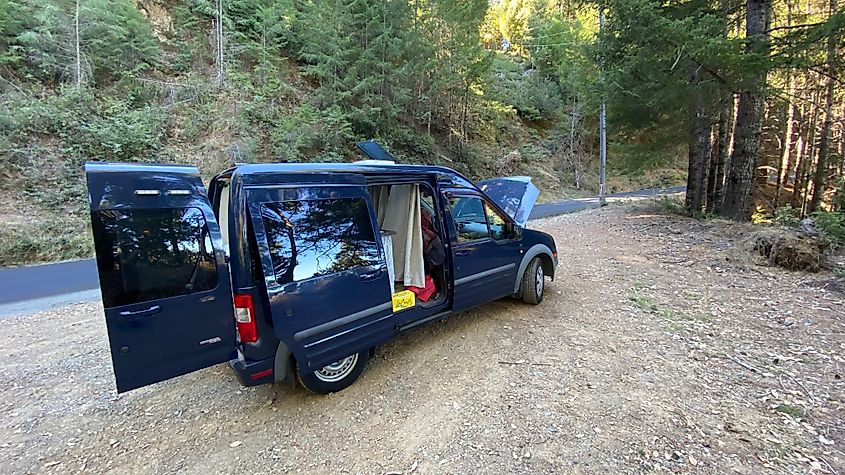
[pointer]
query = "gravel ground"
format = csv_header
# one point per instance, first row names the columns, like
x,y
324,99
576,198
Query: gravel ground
x,y
654,351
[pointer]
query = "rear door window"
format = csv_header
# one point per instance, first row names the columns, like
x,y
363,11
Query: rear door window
x,y
311,238
148,254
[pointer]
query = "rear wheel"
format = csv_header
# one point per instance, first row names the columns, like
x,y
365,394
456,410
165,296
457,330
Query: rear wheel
x,y
336,376
533,282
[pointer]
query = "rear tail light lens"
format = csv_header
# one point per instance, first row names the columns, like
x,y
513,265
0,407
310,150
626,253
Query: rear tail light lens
x,y
245,318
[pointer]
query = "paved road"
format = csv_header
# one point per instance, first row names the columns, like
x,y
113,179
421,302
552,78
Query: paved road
x,y
544,210
35,288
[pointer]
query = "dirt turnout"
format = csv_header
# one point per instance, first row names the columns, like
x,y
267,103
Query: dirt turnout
x,y
654,351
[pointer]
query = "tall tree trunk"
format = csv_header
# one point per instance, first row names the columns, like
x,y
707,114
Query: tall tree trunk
x,y
219,80
714,163
809,155
574,152
699,148
804,128
842,143
724,134
727,122
77,70
739,196
786,157
824,141
800,149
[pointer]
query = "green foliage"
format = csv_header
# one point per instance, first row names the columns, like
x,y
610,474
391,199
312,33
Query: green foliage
x,y
109,128
533,95
839,195
652,50
115,40
786,216
669,205
311,133
388,64
74,126
832,223
794,411
51,241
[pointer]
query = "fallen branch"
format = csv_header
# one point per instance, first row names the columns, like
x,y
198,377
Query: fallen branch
x,y
809,395
743,364
829,466
524,363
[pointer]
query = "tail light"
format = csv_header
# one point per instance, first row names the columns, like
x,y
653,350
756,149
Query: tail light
x,y
245,318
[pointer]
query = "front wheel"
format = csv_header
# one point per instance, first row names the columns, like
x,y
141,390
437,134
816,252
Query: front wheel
x,y
533,282
336,376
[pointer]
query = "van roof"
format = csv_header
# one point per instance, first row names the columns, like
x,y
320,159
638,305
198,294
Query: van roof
x,y
442,174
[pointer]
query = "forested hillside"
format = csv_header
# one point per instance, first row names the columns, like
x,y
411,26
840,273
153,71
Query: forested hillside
x,y
720,87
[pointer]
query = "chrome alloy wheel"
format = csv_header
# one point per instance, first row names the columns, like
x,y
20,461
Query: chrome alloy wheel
x,y
338,370
538,285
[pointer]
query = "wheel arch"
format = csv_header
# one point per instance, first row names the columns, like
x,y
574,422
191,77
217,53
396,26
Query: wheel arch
x,y
546,260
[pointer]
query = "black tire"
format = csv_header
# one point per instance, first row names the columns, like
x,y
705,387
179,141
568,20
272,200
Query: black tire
x,y
336,376
533,282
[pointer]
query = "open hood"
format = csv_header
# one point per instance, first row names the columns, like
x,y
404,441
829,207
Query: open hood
x,y
516,195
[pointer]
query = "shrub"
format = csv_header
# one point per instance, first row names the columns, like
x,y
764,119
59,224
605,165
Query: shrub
x,y
44,242
786,216
839,196
311,132
832,223
52,136
533,95
670,205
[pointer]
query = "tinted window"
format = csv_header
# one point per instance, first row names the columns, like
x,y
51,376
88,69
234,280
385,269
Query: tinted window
x,y
469,217
310,238
496,222
148,254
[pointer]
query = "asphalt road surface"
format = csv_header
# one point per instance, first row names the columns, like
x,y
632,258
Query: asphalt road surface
x,y
544,210
36,288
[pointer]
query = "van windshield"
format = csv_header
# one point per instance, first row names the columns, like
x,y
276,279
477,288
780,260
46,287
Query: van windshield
x,y
310,238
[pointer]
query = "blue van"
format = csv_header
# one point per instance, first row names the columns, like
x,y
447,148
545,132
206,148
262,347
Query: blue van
x,y
298,271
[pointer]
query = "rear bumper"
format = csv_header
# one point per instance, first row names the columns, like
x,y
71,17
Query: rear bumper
x,y
253,372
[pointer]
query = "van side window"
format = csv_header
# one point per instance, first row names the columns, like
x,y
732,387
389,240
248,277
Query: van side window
x,y
470,219
148,254
310,238
497,223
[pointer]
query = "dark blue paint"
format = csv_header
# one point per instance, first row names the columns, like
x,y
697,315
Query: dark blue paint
x,y
516,195
302,305
496,259
159,339
321,319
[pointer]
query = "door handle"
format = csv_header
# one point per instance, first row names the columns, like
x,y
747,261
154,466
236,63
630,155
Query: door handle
x,y
373,275
462,252
128,316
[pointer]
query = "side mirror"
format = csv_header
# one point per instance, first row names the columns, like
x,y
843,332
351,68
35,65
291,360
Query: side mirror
x,y
513,230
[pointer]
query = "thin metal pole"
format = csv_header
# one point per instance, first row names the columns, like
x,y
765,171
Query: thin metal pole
x,y
602,114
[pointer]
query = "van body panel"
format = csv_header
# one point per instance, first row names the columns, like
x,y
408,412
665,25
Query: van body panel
x,y
163,276
516,195
320,293
323,264
483,269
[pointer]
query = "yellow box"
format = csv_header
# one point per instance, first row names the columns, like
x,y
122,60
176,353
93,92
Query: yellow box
x,y
404,300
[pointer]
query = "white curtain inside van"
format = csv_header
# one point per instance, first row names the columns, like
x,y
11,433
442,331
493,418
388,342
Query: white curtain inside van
x,y
399,212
